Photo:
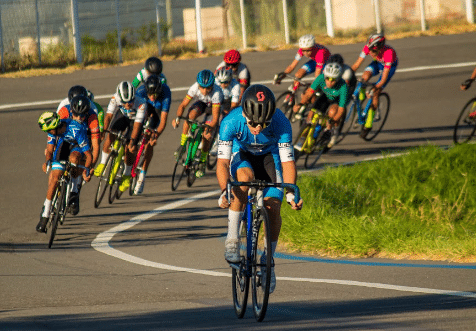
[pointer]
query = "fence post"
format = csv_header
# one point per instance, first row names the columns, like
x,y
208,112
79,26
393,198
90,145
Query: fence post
x,y
198,21
286,25
243,24
168,10
329,21
378,22
422,15
1,41
118,27
469,11
159,35
76,33
38,41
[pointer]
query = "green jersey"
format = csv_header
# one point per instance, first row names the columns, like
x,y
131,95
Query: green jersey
x,y
337,94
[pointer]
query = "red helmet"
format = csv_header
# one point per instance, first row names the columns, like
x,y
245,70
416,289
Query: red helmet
x,y
232,57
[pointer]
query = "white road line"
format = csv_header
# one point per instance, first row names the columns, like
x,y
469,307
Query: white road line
x,y
101,244
107,96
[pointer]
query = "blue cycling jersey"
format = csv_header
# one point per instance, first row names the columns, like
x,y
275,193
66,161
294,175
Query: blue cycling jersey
x,y
76,135
163,101
235,136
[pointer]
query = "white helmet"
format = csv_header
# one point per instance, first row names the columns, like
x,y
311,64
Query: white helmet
x,y
223,75
125,91
307,41
333,70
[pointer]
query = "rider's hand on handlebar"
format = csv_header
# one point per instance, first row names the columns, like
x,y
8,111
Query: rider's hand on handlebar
x,y
290,201
223,201
87,173
466,84
278,78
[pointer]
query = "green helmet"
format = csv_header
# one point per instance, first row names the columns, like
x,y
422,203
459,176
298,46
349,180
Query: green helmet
x,y
48,121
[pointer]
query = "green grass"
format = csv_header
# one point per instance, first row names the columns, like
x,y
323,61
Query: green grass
x,y
421,205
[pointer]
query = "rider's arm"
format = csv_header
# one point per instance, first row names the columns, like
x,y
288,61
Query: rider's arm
x,y
215,114
163,122
384,78
223,172
357,63
291,67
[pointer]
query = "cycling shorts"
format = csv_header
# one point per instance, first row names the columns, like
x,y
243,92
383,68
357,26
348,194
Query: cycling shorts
x,y
62,153
121,123
310,67
376,67
266,167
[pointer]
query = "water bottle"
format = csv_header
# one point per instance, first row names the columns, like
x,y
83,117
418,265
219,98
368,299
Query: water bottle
x,y
317,130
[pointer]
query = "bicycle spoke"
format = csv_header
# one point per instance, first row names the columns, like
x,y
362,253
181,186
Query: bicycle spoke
x,y
104,180
380,116
240,279
179,171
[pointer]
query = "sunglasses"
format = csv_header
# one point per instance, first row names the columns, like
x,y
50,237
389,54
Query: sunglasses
x,y
234,65
226,82
307,50
254,124
330,79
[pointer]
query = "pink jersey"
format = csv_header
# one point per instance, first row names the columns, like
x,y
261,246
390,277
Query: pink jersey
x,y
387,56
319,53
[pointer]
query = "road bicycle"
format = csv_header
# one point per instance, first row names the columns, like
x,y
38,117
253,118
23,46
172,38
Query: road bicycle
x,y
287,100
187,162
358,110
140,157
112,173
60,205
255,250
313,139
466,123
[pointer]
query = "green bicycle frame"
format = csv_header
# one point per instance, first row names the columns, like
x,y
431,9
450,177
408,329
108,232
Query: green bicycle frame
x,y
309,141
194,143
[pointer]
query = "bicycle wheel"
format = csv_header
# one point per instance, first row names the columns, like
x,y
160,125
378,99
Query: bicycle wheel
x,y
192,169
104,180
465,126
348,120
380,116
116,178
213,153
319,148
118,182
240,279
137,171
59,209
261,264
179,171
283,103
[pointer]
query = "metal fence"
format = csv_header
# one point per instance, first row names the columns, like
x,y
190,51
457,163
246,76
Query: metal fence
x,y
38,31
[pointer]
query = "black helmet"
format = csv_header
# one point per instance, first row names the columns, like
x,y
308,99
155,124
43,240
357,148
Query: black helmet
x,y
80,105
258,103
336,58
75,91
153,65
153,85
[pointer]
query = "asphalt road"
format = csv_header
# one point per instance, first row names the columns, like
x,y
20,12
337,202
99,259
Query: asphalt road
x,y
156,261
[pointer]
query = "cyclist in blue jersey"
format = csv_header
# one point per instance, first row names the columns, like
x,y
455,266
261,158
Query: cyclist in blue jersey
x,y
157,98
125,113
208,98
67,140
255,143
153,66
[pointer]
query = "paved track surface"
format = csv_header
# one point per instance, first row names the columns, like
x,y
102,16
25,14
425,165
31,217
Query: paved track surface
x,y
167,271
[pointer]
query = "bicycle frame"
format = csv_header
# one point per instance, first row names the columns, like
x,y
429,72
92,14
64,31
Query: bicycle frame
x,y
118,148
192,150
361,113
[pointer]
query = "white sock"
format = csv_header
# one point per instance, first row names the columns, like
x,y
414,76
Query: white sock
x,y
47,209
104,156
127,170
142,175
234,218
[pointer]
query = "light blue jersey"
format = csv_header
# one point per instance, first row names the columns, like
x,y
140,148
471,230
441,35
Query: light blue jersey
x,y
263,153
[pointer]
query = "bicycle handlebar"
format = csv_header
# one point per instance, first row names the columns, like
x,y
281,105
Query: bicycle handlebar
x,y
70,164
259,184
300,80
192,121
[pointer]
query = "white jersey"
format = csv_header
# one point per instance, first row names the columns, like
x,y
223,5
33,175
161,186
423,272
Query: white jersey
x,y
231,92
214,97
65,102
242,75
136,113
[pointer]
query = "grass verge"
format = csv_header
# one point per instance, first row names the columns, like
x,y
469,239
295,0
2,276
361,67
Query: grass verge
x,y
417,206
